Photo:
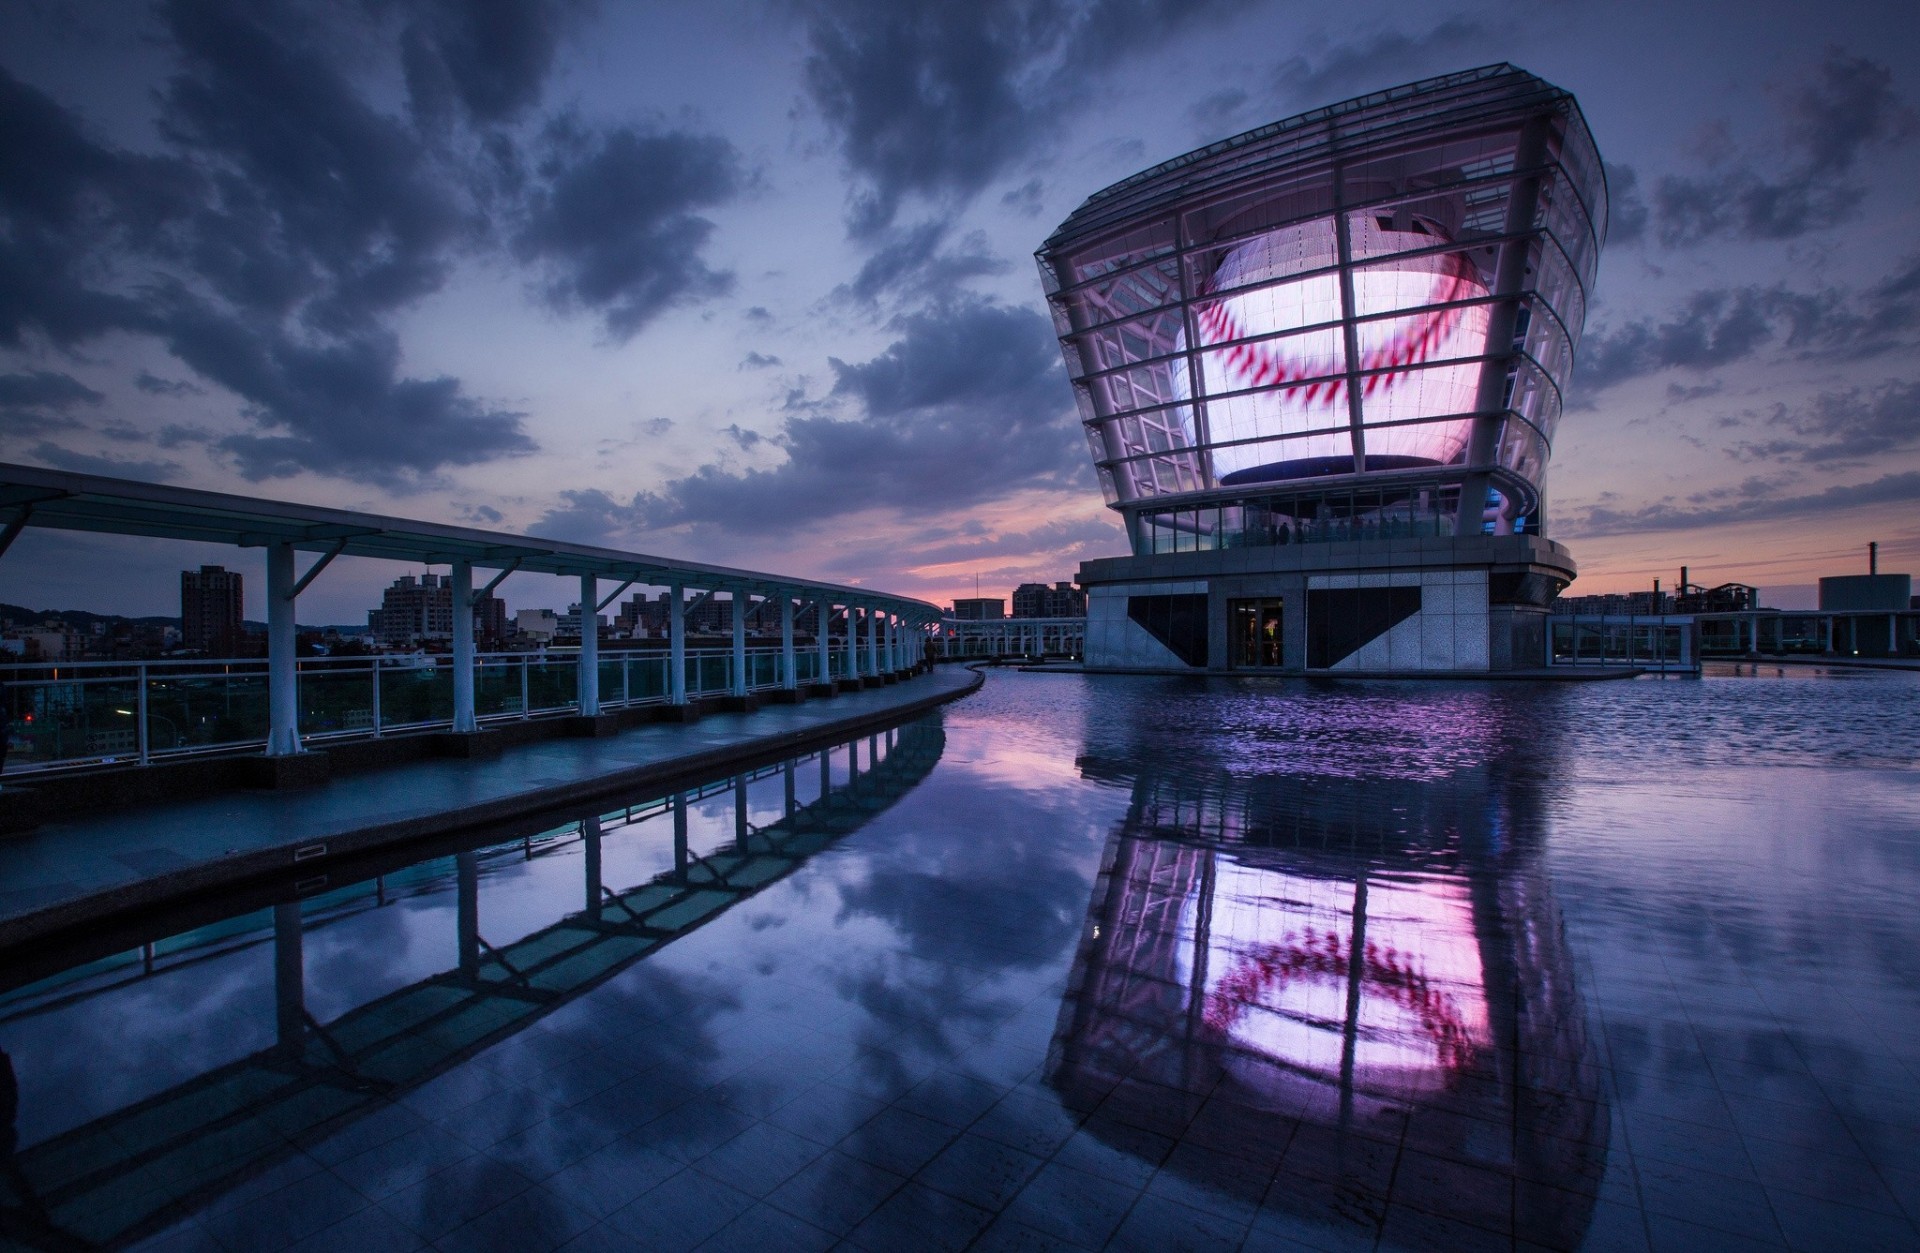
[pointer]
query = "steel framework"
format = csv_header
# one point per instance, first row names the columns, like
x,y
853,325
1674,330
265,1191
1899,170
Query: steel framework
x,y
1353,321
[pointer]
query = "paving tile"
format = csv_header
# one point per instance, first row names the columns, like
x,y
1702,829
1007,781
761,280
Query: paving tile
x,y
898,1140
918,1217
1156,1224
535,1221
836,1192
764,1229
760,1159
984,1172
444,1200
293,1213
1080,1208
681,1213
371,1230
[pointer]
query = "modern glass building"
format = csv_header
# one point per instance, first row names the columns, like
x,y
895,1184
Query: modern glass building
x,y
1320,366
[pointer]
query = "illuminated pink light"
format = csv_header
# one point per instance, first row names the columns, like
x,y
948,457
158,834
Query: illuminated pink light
x,y
1250,300
1324,956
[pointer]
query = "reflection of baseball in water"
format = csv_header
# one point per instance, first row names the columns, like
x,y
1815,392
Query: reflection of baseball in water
x,y
1305,368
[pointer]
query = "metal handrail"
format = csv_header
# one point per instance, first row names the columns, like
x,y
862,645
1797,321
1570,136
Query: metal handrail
x,y
70,714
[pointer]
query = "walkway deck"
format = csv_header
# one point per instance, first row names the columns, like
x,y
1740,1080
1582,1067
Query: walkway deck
x,y
71,871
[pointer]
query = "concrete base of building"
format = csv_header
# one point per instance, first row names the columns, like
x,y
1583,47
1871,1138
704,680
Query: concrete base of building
x,y
21,810
822,691
689,712
593,727
737,704
889,678
292,771
848,685
1389,606
466,744
872,680
784,696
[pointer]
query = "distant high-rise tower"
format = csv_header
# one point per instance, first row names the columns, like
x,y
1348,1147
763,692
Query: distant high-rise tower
x,y
212,605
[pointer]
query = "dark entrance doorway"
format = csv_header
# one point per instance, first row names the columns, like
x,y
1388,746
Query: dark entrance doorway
x,y
1254,634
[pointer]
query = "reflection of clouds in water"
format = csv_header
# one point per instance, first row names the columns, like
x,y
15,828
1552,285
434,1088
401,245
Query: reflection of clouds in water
x,y
80,1061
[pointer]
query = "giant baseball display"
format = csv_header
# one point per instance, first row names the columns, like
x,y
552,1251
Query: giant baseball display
x,y
1273,359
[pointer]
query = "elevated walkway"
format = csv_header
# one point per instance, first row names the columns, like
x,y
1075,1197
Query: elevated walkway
x,y
76,870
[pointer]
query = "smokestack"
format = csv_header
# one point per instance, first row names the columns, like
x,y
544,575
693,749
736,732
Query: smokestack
x,y
1873,557
1682,589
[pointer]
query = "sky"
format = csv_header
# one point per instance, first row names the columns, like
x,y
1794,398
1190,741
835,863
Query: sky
x,y
753,283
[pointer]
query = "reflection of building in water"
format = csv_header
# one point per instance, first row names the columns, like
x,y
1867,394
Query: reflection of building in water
x,y
1324,979
122,1173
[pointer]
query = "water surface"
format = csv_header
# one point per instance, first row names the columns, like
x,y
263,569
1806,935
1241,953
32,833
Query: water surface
x,y
1077,963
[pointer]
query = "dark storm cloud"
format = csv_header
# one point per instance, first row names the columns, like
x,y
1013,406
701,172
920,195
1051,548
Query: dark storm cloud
x,y
935,100
1757,500
1831,117
110,467
62,198
759,361
286,219
1384,60
154,385
911,263
1627,211
616,226
47,388
966,406
492,59
1720,326
1850,424
339,406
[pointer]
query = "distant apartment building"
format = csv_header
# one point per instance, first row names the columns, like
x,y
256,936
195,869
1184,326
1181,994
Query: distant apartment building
x,y
537,624
980,609
418,609
212,606
570,623
1037,600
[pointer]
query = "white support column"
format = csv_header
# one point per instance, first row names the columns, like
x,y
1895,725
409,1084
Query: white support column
x,y
823,609
853,645
677,644
283,693
464,719
873,641
589,682
740,602
789,677
890,646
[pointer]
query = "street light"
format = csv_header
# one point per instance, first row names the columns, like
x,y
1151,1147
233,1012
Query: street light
x,y
178,739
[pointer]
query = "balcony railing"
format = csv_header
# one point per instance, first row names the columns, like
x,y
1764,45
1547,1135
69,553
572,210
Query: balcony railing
x,y
67,714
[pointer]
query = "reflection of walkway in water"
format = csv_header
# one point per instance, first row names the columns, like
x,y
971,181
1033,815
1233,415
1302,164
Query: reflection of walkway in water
x,y
127,1172
1348,1004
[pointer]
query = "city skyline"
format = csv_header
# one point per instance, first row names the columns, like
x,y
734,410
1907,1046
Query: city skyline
x,y
733,308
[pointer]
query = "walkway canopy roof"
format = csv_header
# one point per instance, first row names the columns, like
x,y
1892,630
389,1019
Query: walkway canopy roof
x,y
57,499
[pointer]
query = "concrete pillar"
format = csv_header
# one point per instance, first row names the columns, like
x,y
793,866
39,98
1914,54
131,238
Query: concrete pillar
x,y
823,612
788,779
680,835
853,645
283,693
740,603
589,688
873,641
789,677
464,718
677,644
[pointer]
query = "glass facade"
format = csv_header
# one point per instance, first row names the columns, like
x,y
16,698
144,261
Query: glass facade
x,y
1386,293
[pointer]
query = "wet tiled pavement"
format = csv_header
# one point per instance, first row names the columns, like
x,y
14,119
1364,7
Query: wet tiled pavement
x,y
1075,964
